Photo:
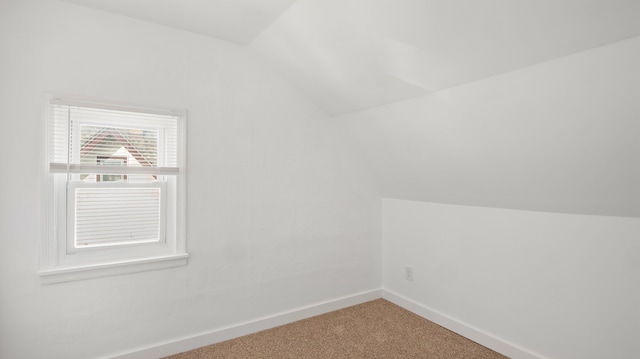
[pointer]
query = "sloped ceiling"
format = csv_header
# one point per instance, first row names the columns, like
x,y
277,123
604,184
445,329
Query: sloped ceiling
x,y
562,136
237,21
350,55
559,134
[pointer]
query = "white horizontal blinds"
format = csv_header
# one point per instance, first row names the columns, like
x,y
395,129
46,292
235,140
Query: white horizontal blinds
x,y
90,139
59,135
115,216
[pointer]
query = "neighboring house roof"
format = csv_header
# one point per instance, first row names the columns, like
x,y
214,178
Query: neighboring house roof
x,y
114,134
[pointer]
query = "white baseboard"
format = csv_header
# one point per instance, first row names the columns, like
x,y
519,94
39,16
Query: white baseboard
x,y
479,336
219,335
238,330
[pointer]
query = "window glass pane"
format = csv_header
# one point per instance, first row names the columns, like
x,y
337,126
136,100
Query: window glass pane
x,y
134,146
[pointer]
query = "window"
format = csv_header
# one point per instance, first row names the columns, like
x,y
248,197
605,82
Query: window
x,y
115,190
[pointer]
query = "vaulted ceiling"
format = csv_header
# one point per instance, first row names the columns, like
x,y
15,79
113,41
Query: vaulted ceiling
x,y
525,104
350,55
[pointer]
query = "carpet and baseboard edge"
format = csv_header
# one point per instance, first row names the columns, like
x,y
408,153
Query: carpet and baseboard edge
x,y
479,336
219,335
250,327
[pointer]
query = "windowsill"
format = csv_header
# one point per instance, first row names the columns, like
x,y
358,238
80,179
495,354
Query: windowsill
x,y
68,274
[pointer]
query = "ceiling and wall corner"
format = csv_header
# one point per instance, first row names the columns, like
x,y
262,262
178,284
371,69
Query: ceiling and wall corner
x,y
236,21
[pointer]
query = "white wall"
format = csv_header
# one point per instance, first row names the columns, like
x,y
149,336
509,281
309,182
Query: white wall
x,y
560,136
557,137
559,285
278,217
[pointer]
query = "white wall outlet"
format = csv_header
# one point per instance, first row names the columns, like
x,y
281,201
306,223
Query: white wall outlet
x,y
408,273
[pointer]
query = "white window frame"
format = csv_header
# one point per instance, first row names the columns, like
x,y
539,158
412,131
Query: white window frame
x,y
61,261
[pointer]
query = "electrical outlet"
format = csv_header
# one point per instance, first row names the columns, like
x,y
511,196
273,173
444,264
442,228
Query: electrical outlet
x,y
408,273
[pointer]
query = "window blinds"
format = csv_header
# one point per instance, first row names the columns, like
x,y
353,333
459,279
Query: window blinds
x,y
83,135
110,216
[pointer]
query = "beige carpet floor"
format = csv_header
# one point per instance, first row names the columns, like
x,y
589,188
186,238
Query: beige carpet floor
x,y
376,329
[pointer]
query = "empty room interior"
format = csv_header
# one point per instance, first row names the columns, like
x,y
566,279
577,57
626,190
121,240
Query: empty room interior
x,y
473,162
